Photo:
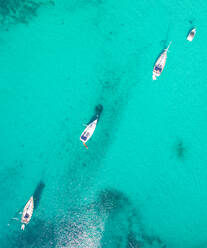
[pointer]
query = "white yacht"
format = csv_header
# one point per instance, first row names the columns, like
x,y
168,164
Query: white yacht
x,y
160,64
88,132
27,212
191,34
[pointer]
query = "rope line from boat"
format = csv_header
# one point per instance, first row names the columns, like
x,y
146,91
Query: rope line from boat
x,y
85,145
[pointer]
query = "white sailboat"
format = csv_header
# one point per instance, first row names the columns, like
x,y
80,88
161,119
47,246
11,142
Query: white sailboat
x,y
160,64
88,132
191,34
27,212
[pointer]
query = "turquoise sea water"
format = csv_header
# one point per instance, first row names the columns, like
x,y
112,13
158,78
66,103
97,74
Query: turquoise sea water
x,y
143,180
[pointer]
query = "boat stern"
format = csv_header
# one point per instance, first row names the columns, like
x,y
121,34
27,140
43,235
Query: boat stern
x,y
154,77
190,38
84,138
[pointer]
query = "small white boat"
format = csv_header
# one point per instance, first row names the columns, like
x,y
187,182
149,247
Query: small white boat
x,y
88,132
27,212
160,64
191,35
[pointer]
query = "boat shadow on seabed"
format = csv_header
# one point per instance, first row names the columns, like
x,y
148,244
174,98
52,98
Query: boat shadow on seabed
x,y
37,193
98,111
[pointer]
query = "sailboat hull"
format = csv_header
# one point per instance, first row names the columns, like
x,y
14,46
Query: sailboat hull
x,y
160,64
28,211
88,132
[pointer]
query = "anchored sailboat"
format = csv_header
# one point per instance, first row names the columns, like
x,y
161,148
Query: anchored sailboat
x,y
160,64
88,132
27,212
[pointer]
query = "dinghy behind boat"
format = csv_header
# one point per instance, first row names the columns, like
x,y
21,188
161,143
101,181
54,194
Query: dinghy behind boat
x,y
27,213
88,132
